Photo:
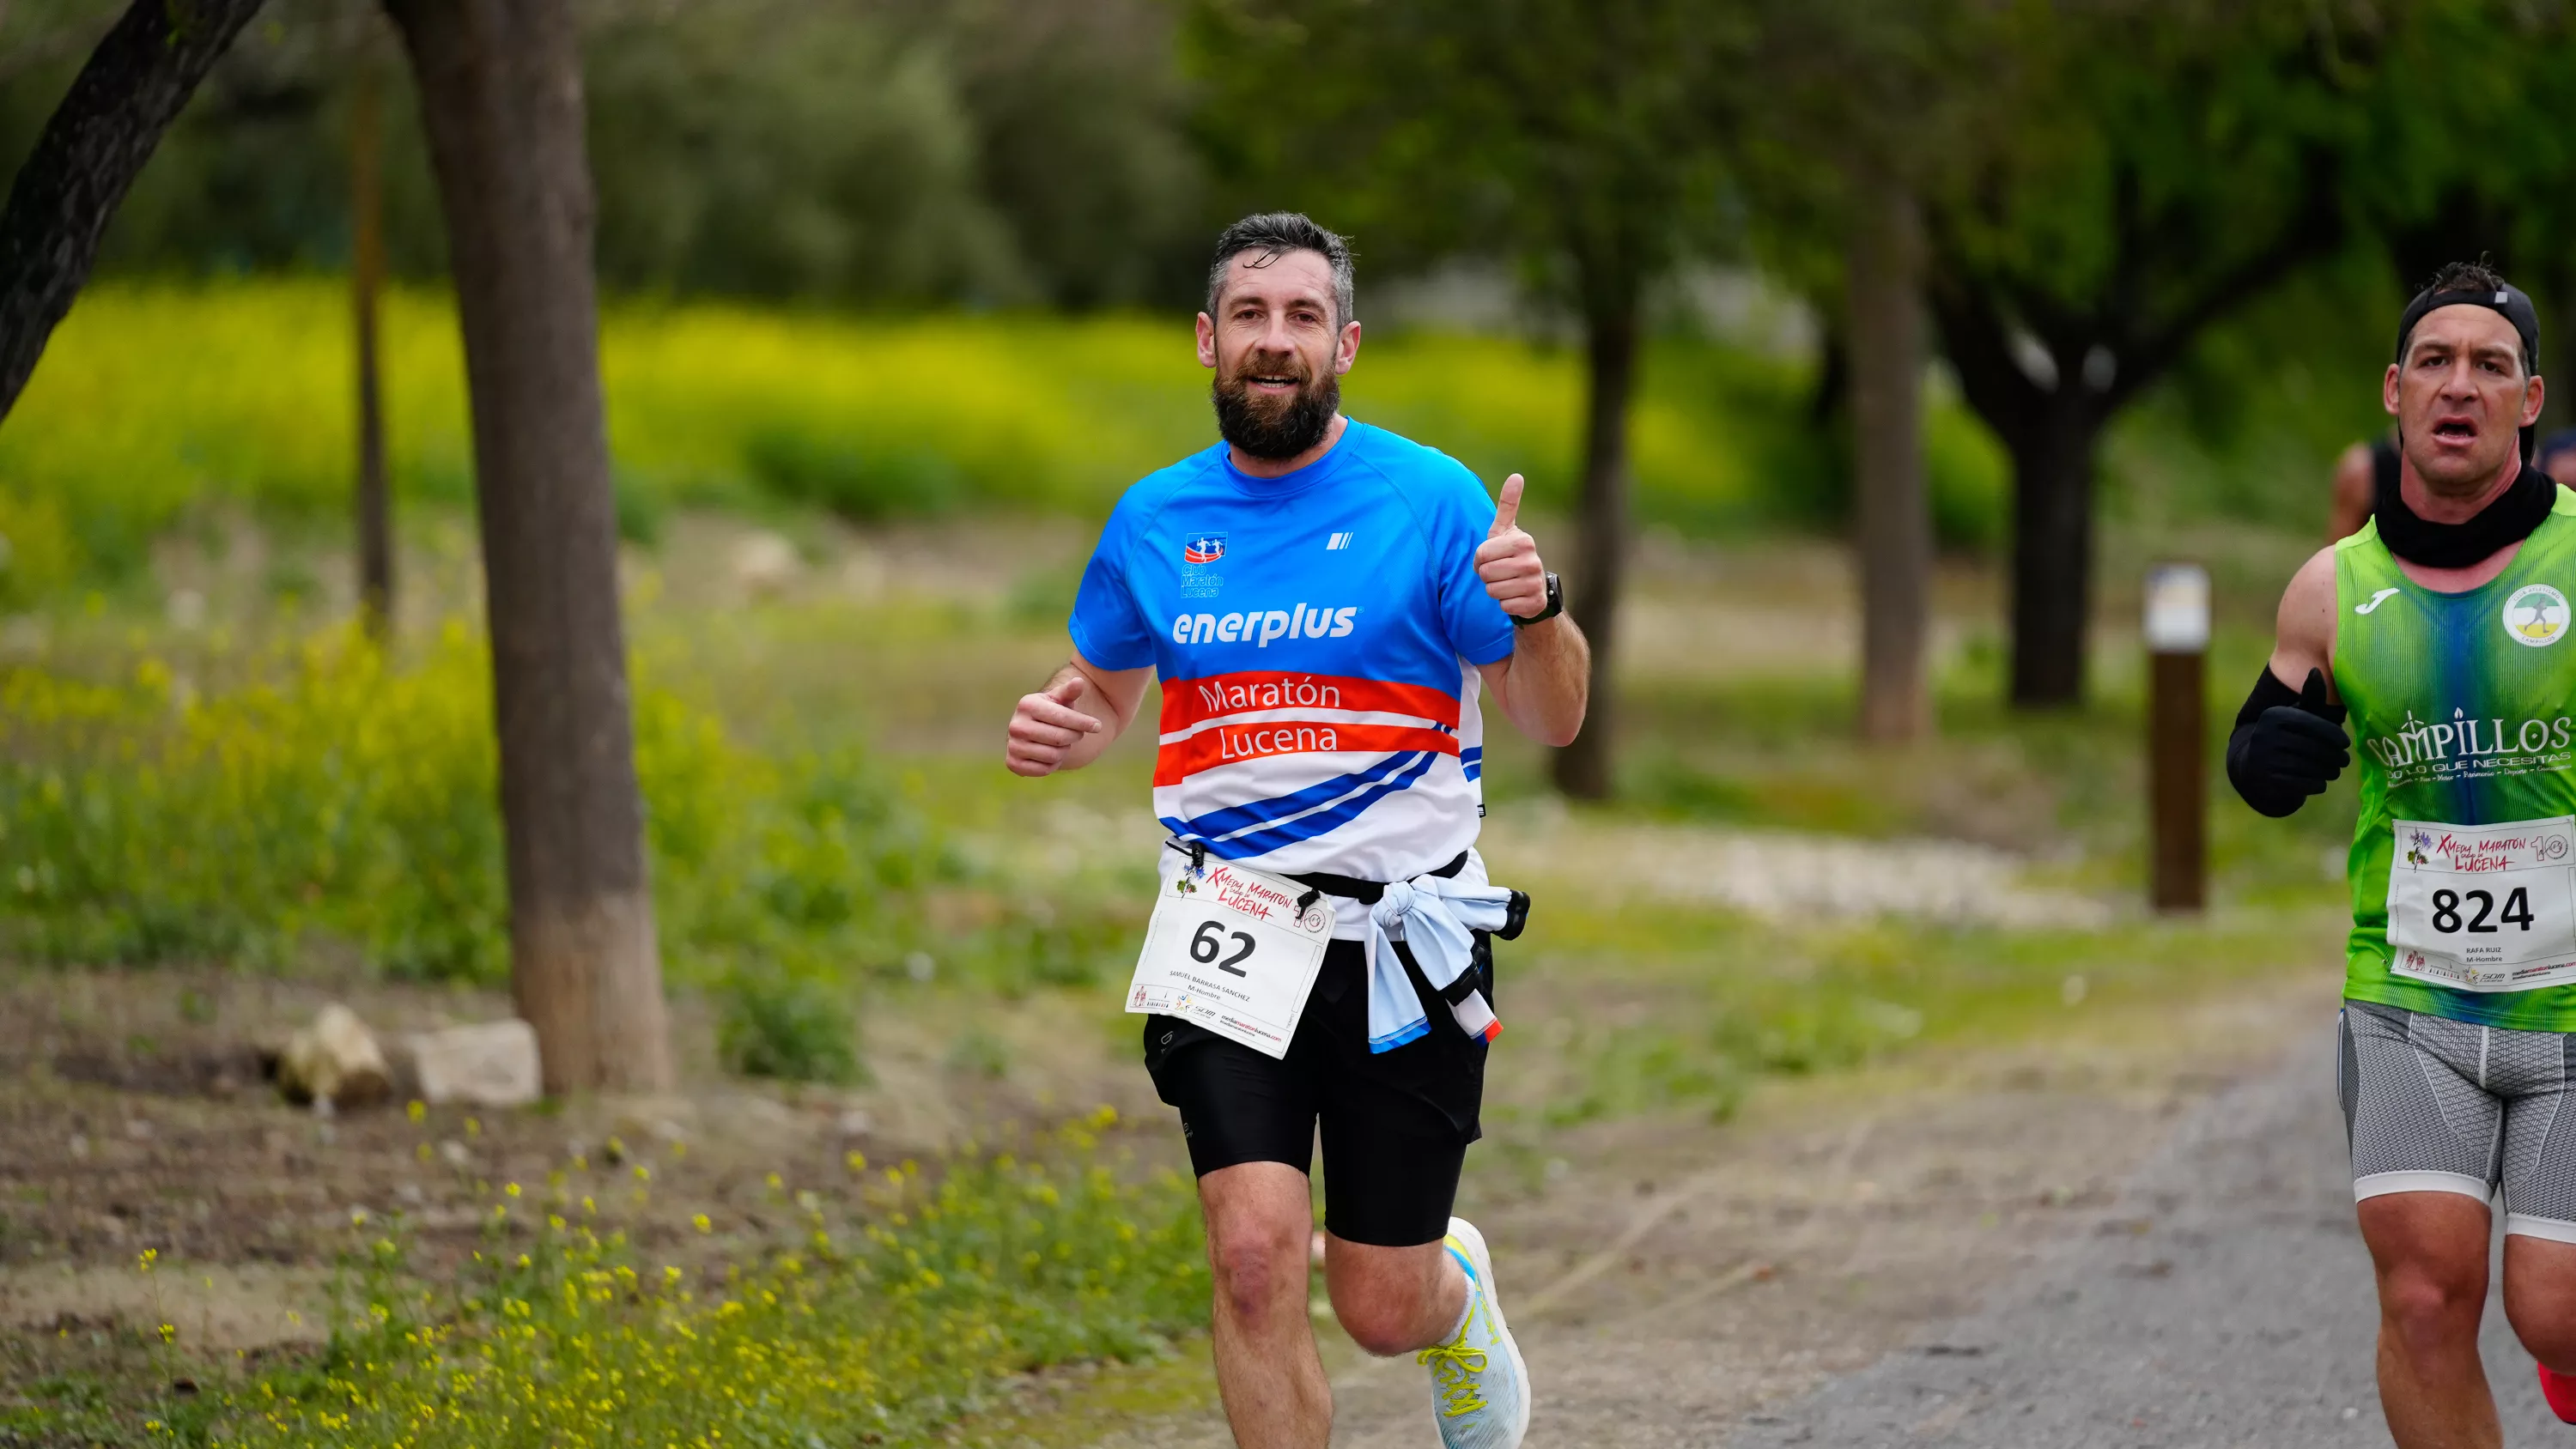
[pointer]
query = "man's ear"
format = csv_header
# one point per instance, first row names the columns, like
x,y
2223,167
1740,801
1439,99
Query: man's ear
x,y
2388,390
1207,340
1346,348
2534,394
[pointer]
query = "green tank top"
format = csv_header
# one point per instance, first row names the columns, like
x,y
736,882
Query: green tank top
x,y
2462,712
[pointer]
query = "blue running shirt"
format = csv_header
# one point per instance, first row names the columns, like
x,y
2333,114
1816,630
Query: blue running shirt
x,y
1316,637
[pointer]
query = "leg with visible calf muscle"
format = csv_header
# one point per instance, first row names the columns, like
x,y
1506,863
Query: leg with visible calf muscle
x,y
1258,1218
2430,1250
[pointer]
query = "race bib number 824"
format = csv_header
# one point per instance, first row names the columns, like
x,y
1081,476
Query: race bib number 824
x,y
2484,907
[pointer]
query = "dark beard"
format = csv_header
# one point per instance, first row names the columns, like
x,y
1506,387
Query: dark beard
x,y
1274,432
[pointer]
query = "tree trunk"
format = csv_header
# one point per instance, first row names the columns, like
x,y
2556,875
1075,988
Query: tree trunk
x,y
1583,768
366,284
1891,514
92,148
2052,583
500,88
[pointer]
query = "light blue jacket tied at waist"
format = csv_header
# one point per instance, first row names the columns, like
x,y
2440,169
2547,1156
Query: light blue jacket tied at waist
x,y
1435,917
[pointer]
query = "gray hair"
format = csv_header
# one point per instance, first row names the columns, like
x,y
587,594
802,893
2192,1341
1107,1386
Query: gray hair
x,y
1273,234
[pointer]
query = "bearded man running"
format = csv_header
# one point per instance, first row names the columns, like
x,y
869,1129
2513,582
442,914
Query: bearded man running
x,y
1320,599
2442,627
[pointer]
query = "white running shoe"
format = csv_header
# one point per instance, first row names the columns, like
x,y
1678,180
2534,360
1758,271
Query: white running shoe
x,y
1479,1385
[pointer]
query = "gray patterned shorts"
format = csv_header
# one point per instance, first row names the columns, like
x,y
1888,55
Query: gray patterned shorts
x,y
2435,1105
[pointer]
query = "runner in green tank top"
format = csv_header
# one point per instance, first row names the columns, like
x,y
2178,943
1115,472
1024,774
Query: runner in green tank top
x,y
2442,627
2463,706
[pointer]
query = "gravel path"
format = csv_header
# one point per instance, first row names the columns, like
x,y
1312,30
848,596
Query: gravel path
x,y
2229,1304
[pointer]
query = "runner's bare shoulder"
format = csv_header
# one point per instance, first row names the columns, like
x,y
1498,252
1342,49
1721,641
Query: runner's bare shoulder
x,y
2304,634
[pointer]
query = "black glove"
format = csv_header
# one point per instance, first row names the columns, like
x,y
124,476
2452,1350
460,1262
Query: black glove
x,y
2286,747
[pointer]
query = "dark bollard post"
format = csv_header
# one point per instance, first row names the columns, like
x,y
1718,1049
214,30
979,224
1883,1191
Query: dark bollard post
x,y
2177,636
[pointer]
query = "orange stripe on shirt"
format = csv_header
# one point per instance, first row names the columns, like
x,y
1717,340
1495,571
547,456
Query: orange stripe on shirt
x,y
1232,744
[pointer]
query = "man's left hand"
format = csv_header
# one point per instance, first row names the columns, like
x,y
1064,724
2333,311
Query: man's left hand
x,y
1508,559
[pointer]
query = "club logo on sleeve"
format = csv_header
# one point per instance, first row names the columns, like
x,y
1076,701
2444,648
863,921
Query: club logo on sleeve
x,y
2535,614
1200,554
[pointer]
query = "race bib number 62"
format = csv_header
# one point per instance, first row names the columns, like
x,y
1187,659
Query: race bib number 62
x,y
1235,951
2484,907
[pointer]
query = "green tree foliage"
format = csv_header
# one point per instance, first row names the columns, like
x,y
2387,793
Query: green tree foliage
x,y
769,149
2468,148
1081,124
852,151
2138,183
255,172
1853,94
2475,153
2151,169
894,151
1573,138
42,45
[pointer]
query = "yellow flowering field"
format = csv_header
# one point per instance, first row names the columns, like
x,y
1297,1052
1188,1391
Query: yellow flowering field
x,y
155,398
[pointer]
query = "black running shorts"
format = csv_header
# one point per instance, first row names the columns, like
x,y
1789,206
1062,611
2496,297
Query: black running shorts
x,y
1395,1124
2435,1105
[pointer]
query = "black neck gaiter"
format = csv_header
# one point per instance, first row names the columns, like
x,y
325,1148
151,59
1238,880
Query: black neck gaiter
x,y
2508,518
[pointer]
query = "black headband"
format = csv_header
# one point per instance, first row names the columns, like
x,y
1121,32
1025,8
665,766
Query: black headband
x,y
2506,301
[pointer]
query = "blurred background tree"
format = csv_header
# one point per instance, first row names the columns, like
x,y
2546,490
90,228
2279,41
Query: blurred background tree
x,y
2158,168
500,87
2178,212
2471,151
871,152
1856,115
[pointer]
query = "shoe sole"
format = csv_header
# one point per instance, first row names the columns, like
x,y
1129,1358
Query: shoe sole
x,y
1483,1257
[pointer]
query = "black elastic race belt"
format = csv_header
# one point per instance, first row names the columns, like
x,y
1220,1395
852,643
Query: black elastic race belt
x,y
1368,892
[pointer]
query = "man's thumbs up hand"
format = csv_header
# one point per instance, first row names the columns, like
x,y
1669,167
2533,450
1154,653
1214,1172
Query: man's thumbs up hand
x,y
1508,559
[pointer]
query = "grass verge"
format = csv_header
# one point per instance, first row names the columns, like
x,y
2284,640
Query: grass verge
x,y
1628,1009
875,1314
321,797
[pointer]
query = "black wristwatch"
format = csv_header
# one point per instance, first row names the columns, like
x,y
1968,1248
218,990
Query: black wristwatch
x,y
1555,606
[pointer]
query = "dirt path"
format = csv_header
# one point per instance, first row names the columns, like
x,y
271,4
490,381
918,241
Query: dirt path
x,y
1673,1280
2224,1300
1720,1275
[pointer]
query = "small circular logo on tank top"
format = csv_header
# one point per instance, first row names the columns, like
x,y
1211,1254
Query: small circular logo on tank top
x,y
2535,614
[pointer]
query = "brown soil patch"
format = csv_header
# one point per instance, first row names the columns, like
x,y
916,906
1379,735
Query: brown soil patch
x,y
134,1117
